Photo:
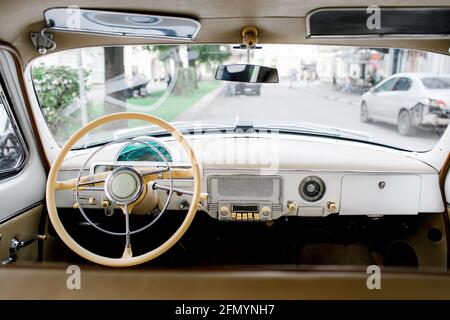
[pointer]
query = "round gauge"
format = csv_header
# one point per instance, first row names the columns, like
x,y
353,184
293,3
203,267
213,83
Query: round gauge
x,y
311,188
139,151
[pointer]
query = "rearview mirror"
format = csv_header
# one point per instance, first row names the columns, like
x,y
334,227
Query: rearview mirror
x,y
247,73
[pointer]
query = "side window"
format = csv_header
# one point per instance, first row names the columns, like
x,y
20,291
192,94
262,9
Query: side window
x,y
12,151
403,84
387,86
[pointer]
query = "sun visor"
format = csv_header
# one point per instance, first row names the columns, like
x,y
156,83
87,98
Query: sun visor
x,y
374,21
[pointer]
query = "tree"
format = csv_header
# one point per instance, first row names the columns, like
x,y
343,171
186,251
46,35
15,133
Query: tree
x,y
57,88
199,54
207,54
114,67
184,78
212,54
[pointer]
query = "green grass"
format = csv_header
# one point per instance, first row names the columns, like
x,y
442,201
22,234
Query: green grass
x,y
147,101
169,110
175,105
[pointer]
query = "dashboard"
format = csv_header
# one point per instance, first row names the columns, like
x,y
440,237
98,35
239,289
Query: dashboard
x,y
260,177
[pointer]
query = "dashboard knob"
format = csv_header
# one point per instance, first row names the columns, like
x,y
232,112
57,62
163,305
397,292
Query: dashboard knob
x,y
332,206
292,207
265,211
106,203
224,211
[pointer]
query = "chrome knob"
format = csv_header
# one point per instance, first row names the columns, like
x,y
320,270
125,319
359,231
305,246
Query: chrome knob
x,y
224,211
292,207
265,211
332,206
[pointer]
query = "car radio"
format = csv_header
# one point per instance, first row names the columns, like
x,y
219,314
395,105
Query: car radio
x,y
245,197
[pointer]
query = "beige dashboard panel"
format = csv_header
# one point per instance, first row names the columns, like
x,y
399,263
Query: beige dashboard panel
x,y
98,283
383,194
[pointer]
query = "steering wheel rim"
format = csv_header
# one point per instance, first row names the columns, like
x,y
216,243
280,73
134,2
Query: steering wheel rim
x,y
52,186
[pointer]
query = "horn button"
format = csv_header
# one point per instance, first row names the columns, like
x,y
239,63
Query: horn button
x,y
123,185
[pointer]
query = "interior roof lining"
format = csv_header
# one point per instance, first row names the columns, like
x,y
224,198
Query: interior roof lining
x,y
285,29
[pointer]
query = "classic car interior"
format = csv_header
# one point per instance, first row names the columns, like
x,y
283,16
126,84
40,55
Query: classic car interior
x,y
149,203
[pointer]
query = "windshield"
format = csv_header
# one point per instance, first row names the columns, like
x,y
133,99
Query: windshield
x,y
323,90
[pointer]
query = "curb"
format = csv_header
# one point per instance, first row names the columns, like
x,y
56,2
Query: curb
x,y
336,98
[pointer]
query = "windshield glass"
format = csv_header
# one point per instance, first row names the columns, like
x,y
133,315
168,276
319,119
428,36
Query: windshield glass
x,y
323,90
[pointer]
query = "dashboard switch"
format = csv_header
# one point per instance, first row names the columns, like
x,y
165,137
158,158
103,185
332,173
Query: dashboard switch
x,y
331,206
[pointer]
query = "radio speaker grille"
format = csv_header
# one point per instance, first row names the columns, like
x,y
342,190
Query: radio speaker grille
x,y
249,187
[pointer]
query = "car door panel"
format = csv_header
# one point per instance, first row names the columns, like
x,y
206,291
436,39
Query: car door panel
x,y
22,174
22,226
382,100
403,98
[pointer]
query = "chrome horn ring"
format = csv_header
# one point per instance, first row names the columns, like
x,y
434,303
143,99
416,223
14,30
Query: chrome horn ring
x,y
126,203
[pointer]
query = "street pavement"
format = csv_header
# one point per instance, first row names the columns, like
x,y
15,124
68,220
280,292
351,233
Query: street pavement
x,y
300,102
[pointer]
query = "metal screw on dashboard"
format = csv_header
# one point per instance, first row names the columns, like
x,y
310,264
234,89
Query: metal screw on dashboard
x,y
381,184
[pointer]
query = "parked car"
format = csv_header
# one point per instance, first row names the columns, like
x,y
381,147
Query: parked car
x,y
410,101
243,88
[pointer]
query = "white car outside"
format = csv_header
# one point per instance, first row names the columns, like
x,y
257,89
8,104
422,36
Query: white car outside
x,y
410,101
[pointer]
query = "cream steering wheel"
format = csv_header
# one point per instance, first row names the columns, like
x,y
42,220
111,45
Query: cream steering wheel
x,y
124,197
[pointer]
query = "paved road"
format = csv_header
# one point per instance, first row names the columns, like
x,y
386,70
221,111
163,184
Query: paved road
x,y
314,103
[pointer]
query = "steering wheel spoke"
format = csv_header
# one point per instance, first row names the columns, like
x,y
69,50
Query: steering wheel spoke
x,y
157,186
176,173
148,174
84,180
127,253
